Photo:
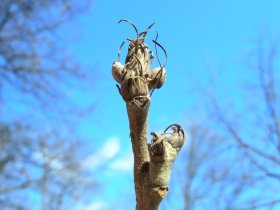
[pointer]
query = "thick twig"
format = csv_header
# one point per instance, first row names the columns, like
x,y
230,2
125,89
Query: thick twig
x,y
152,162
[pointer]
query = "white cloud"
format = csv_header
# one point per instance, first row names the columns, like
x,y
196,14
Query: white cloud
x,y
124,163
111,148
95,206
107,152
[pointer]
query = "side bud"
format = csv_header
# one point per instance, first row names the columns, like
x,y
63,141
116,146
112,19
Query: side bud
x,y
163,151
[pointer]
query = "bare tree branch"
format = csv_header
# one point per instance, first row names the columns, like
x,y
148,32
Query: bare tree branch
x,y
261,205
240,141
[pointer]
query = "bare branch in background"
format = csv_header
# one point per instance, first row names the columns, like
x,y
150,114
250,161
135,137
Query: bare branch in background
x,y
40,168
45,165
32,60
256,130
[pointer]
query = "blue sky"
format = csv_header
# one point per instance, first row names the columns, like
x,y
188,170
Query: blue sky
x,y
206,42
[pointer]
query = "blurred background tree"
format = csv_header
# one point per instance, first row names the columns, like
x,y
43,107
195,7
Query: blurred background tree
x,y
234,155
253,123
32,59
40,167
40,171
214,171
